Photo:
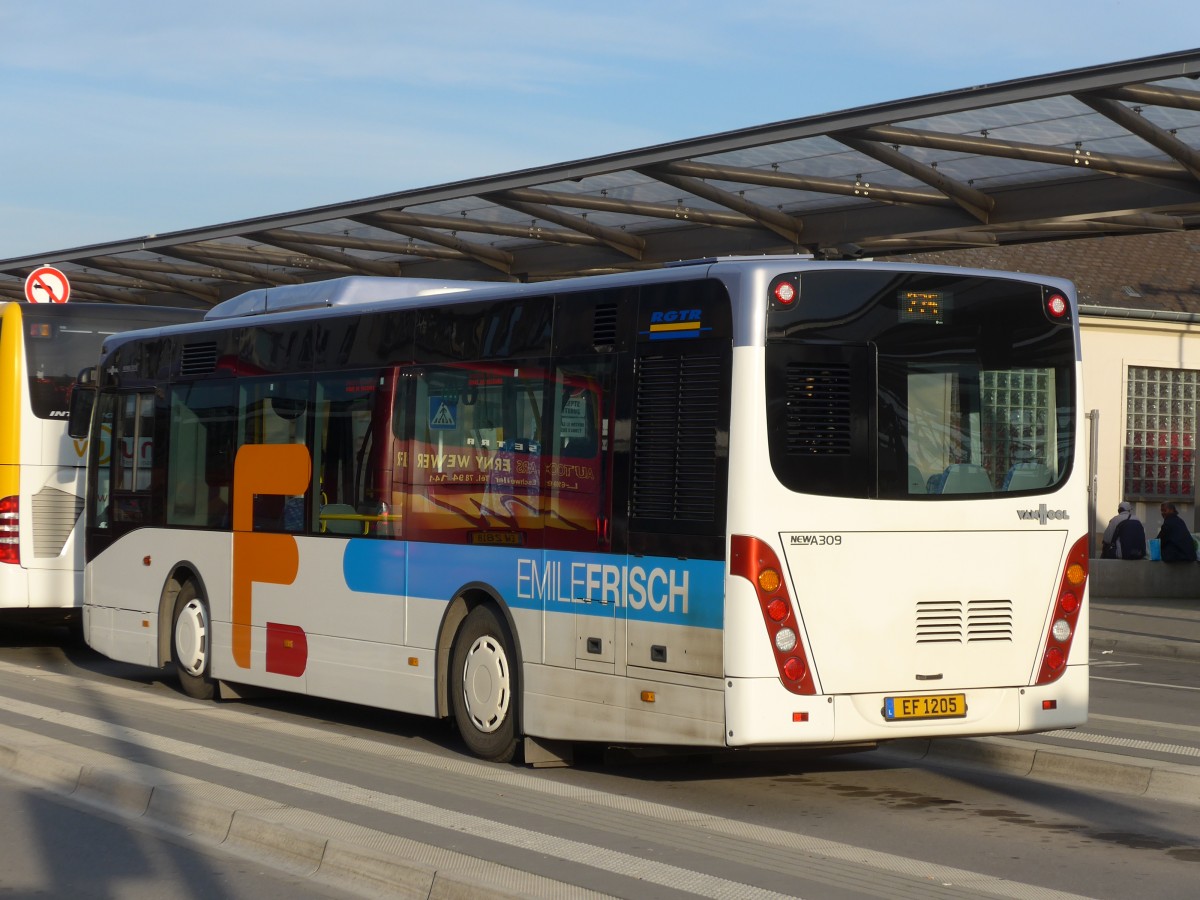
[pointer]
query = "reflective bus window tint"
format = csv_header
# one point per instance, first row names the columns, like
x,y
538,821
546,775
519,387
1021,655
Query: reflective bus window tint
x,y
475,455
352,454
576,480
275,411
204,422
132,454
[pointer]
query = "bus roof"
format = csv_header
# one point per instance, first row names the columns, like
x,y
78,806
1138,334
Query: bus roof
x,y
347,291
361,290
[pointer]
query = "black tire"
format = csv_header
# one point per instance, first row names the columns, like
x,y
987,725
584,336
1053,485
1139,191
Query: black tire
x,y
483,686
191,642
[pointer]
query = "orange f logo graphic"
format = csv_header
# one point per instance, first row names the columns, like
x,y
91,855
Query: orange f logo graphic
x,y
270,558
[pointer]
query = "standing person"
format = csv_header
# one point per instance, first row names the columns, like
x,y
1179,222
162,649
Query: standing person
x,y
1175,539
1125,536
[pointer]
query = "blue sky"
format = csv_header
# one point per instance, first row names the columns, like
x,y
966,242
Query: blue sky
x,y
131,117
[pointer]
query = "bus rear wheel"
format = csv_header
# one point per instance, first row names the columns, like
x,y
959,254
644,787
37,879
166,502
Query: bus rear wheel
x,y
483,686
191,642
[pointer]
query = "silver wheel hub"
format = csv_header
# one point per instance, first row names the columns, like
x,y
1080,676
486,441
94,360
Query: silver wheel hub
x,y
487,687
191,638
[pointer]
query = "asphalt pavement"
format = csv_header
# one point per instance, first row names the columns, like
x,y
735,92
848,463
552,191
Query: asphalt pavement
x,y
1141,626
1166,627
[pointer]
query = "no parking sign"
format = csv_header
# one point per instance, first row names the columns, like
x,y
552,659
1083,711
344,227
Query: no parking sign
x,y
47,284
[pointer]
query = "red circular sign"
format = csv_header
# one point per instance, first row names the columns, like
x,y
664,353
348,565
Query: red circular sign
x,y
47,284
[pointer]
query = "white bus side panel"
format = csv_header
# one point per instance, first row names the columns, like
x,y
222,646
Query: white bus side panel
x,y
124,586
577,705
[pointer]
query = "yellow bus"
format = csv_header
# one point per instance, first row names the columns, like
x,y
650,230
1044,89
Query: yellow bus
x,y
42,349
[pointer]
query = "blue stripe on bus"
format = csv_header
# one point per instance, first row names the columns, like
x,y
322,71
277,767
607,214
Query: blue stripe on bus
x,y
658,589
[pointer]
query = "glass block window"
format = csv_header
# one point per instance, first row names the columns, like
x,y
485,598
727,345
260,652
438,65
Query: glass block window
x,y
1018,421
1160,434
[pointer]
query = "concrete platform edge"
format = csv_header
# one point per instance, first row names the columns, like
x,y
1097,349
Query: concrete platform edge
x,y
286,848
1061,765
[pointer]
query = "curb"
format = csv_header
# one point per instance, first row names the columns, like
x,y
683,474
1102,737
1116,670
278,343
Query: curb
x,y
1108,641
286,848
1061,765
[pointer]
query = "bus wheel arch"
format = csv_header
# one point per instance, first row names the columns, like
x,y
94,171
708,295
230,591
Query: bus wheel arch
x,y
189,633
480,676
181,574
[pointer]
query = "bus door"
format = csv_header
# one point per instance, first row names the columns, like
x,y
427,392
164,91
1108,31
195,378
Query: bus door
x,y
577,492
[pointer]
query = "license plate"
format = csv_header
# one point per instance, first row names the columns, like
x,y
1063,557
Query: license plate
x,y
925,706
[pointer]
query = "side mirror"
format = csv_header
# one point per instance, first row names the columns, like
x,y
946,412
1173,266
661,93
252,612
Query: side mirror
x,y
81,401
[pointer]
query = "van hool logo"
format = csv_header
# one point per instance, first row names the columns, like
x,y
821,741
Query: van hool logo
x,y
1042,514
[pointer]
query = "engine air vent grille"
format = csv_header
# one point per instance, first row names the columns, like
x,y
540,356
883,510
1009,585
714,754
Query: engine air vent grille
x,y
953,621
55,513
818,409
604,325
675,438
198,359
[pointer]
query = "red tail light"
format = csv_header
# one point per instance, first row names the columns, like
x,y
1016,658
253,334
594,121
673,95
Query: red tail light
x,y
1065,620
10,535
1056,305
755,561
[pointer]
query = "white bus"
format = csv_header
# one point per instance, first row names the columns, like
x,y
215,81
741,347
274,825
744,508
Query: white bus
x,y
42,349
733,503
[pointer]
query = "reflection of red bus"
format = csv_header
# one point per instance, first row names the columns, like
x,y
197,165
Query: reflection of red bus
x,y
465,454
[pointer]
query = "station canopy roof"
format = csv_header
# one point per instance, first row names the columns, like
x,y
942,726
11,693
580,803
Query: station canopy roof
x,y
1108,150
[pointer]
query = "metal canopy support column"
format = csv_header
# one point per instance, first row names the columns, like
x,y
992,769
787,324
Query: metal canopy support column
x,y
1057,156
811,183
252,273
489,256
629,244
262,255
187,269
122,267
388,217
773,219
679,212
123,289
1154,95
977,203
288,240
932,240
1138,124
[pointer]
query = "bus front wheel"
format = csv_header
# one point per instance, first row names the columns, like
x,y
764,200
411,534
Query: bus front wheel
x,y
191,642
483,686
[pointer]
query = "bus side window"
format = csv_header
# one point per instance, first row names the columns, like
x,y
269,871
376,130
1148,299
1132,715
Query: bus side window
x,y
131,451
352,454
474,458
275,411
102,447
576,478
203,429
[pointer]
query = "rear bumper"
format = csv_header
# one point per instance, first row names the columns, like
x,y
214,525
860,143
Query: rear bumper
x,y
760,712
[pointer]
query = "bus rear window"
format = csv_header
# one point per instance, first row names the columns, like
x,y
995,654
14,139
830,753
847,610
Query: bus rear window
x,y
55,349
902,386
62,340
